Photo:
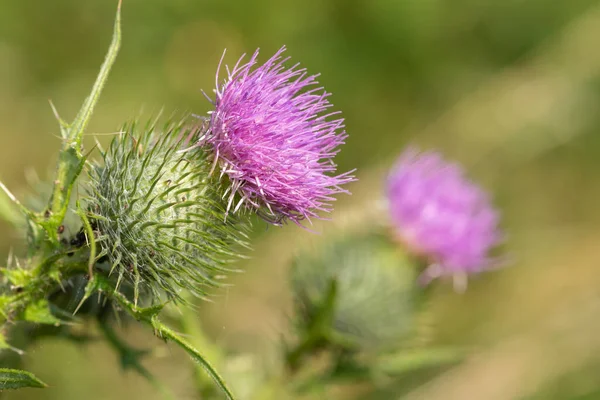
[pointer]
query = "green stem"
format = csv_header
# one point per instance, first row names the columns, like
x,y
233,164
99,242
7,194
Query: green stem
x,y
71,160
75,133
192,328
150,316
167,333
91,239
130,357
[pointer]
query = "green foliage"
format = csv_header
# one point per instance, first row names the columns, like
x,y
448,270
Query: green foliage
x,y
489,82
17,379
39,312
17,277
160,214
71,160
156,215
359,304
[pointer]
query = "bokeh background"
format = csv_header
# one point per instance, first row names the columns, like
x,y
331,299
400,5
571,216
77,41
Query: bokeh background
x,y
510,88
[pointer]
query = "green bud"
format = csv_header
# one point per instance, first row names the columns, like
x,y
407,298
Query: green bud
x,y
367,284
159,213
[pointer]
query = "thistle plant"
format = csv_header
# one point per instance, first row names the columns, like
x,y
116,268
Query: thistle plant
x,y
156,220
163,213
359,297
369,284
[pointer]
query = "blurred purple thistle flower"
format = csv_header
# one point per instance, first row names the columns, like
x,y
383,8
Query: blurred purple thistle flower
x,y
440,214
272,136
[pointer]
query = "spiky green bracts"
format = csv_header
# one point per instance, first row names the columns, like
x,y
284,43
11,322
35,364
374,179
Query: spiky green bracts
x,y
357,291
160,215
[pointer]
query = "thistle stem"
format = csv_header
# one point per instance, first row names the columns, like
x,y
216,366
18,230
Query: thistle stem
x,y
149,316
71,159
130,357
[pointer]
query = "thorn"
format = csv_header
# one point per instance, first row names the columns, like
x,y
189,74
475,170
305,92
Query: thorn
x,y
16,350
207,97
12,197
104,134
91,286
80,304
62,122
62,287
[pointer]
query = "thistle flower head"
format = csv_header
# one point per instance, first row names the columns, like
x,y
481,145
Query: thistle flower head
x,y
437,212
159,214
374,300
272,134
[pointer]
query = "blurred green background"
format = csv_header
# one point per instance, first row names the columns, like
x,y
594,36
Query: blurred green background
x,y
510,88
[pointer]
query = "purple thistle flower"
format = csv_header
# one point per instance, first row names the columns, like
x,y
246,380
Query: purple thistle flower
x,y
440,214
273,136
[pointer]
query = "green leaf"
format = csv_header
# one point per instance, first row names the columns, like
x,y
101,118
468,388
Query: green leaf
x,y
81,120
39,312
71,161
17,379
18,277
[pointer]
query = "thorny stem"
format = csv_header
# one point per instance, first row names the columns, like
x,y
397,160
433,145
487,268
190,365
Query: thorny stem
x,y
52,270
149,316
39,284
130,358
49,264
192,328
71,159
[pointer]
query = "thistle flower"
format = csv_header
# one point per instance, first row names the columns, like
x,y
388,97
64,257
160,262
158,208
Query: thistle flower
x,y
438,213
159,213
272,135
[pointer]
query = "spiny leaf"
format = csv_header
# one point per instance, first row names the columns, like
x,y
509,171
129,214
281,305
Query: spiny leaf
x,y
83,117
71,160
39,312
17,379
17,277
